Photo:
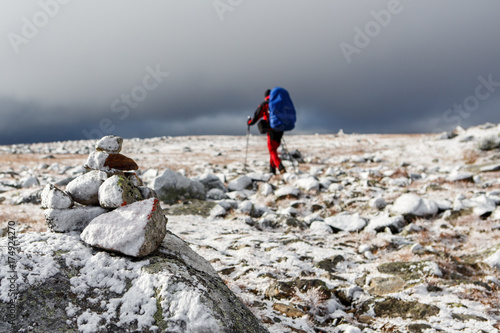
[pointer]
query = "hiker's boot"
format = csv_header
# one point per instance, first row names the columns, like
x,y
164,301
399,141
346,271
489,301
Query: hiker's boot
x,y
272,169
282,168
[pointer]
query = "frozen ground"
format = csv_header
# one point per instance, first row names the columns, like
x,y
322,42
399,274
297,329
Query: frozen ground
x,y
451,251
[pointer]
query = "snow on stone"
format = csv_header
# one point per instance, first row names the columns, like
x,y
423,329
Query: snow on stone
x,y
494,260
346,222
85,189
131,230
286,191
308,184
412,204
30,181
483,205
218,211
96,161
52,197
109,144
72,219
240,183
111,192
382,221
320,228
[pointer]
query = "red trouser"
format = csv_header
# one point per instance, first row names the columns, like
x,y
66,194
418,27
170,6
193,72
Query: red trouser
x,y
273,145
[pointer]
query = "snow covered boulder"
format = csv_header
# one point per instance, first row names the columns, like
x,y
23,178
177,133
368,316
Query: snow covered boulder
x,y
109,144
287,192
211,181
383,221
494,260
117,191
240,183
135,230
65,286
346,222
308,184
85,188
216,194
52,197
489,143
72,219
171,187
412,204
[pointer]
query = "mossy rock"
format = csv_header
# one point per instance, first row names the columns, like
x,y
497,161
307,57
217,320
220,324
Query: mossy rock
x,y
66,286
192,207
393,308
412,270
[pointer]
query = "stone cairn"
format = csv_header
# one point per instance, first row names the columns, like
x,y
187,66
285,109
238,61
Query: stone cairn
x,y
109,204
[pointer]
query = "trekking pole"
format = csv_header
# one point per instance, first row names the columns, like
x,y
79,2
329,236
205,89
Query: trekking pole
x,y
246,151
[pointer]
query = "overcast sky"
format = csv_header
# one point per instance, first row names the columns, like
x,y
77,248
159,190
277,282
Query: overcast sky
x,y
79,69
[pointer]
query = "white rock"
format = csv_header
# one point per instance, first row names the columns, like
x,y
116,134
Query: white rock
x,y
496,214
228,204
171,186
335,187
308,184
494,260
320,228
379,223
443,204
216,194
30,181
483,205
218,211
85,188
260,177
346,222
411,204
286,191
72,219
266,189
109,144
135,230
456,176
52,197
117,191
239,184
364,248
96,160
245,207
309,219
378,203
417,249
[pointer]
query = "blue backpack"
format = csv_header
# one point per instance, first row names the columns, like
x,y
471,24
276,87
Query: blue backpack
x,y
282,115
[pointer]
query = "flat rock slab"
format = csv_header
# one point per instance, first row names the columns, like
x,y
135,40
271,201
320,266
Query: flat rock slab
x,y
135,230
65,286
72,219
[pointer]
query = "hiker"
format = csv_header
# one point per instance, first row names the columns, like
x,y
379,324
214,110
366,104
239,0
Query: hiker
x,y
273,136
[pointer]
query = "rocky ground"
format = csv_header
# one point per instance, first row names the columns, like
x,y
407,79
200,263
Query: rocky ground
x,y
365,233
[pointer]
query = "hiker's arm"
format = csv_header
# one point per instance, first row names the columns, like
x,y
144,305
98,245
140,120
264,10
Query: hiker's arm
x,y
258,114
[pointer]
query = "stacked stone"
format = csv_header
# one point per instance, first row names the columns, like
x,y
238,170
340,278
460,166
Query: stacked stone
x,y
109,205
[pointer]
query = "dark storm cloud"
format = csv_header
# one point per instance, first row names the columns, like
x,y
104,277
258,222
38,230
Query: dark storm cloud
x,y
177,68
